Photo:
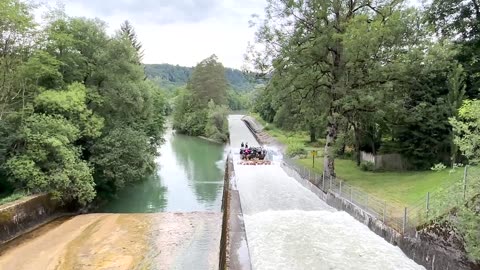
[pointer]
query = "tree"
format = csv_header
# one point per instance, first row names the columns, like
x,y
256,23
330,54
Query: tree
x,y
208,82
343,53
128,32
467,130
47,160
458,21
456,94
199,109
18,31
73,103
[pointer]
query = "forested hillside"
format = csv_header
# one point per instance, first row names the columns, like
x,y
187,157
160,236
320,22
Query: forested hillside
x,y
171,76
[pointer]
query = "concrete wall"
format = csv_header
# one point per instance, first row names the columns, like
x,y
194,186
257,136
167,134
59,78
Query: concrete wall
x,y
22,216
234,253
423,247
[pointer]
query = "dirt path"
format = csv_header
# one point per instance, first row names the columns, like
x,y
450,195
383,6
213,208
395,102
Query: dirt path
x,y
119,241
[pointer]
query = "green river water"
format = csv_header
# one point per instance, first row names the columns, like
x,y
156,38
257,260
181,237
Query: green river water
x,y
189,177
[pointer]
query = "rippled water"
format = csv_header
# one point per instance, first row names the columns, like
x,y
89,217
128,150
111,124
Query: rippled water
x,y
288,227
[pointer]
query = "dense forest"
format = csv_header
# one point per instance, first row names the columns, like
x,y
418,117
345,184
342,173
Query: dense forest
x,y
201,108
241,86
381,76
77,117
168,76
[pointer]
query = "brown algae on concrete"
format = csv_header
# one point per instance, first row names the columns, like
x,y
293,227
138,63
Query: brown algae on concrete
x,y
119,241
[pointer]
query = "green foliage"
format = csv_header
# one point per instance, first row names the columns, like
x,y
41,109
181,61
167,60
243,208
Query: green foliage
x,y
217,124
48,160
367,166
295,148
74,103
128,32
71,104
13,197
200,109
172,76
467,130
116,149
467,224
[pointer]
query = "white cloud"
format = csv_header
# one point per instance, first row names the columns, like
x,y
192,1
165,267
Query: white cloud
x,y
178,32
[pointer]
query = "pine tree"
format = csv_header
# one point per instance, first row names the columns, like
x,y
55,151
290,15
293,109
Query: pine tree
x,y
128,31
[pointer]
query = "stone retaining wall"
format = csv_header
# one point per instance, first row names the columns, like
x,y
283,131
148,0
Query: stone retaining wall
x,y
234,253
21,216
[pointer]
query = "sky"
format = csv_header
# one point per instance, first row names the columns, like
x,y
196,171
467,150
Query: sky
x,y
182,32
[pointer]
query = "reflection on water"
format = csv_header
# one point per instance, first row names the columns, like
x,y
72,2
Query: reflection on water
x,y
187,179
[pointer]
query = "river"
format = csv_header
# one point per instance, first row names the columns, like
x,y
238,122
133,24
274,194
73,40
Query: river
x,y
289,227
172,220
189,177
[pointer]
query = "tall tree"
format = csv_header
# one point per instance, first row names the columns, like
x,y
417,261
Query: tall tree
x,y
208,82
342,52
128,31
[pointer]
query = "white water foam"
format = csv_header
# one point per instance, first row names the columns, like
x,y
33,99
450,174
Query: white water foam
x,y
289,227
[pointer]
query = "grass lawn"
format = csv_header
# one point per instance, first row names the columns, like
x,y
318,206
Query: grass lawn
x,y
397,188
289,137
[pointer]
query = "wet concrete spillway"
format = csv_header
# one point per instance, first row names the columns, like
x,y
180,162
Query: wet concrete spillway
x,y
289,227
171,220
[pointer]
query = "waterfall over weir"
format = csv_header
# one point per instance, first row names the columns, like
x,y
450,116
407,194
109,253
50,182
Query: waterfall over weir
x,y
288,227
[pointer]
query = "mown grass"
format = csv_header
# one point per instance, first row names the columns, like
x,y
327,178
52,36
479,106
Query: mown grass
x,y
396,188
296,142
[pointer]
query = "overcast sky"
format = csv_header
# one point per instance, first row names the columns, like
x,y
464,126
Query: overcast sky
x,y
180,32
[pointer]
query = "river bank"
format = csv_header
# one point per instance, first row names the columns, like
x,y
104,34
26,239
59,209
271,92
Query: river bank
x,y
169,220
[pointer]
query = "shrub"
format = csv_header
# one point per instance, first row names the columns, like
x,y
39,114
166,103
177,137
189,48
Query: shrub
x,y
438,167
295,148
367,166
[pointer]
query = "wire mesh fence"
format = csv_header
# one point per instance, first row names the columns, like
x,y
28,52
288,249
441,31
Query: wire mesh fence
x,y
403,219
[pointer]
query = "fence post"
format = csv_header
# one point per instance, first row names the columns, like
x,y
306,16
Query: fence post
x,y
384,210
404,220
428,204
366,204
323,181
465,183
340,192
351,194
331,183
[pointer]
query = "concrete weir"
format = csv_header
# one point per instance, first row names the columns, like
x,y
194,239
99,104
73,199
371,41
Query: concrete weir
x,y
119,241
234,253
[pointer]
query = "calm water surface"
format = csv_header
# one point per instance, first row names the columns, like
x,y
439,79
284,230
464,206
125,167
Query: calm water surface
x,y
189,177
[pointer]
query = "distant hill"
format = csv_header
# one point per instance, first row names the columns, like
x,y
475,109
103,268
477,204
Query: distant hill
x,y
170,76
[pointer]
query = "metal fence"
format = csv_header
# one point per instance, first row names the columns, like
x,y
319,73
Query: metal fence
x,y
402,219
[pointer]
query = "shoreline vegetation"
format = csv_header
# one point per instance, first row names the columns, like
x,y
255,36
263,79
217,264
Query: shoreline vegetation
x,y
78,120
201,108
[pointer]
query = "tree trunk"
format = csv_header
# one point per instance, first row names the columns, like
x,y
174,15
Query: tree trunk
x,y
357,145
313,137
329,157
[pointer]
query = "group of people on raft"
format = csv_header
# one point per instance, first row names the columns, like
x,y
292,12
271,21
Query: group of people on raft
x,y
251,153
